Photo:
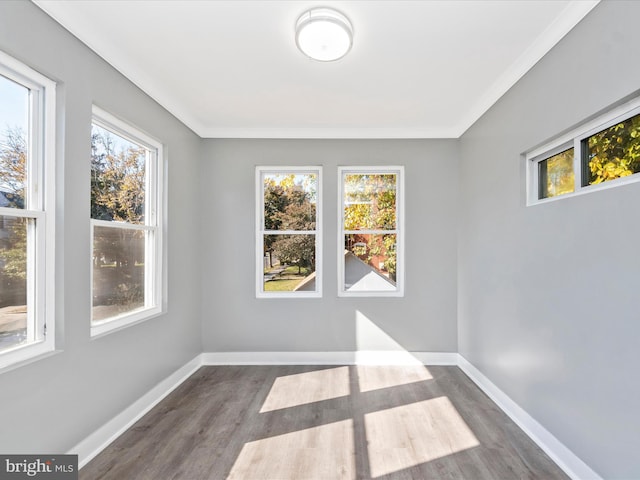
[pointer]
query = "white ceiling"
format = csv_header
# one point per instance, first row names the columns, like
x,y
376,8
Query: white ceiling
x,y
231,69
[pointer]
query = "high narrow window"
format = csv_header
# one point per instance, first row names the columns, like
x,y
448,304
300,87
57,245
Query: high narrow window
x,y
288,217
602,153
126,224
370,249
27,224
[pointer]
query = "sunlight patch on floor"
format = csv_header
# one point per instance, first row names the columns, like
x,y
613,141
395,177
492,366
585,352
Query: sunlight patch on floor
x,y
406,436
308,387
377,377
324,452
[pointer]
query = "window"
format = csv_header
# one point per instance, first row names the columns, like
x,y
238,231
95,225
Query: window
x,y
556,174
612,153
288,219
27,223
370,241
126,224
602,153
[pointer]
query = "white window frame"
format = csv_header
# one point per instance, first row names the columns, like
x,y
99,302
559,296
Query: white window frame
x,y
153,225
261,232
40,191
574,139
399,231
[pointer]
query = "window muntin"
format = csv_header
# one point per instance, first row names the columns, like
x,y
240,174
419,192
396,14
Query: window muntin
x,y
601,153
27,223
288,253
126,224
370,239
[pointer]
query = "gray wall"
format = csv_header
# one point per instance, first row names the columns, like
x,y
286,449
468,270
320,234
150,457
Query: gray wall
x,y
544,307
234,320
51,404
548,294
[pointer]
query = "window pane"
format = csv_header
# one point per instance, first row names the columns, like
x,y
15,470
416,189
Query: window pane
x,y
369,202
289,263
117,178
14,116
118,271
13,281
290,201
556,175
613,152
370,262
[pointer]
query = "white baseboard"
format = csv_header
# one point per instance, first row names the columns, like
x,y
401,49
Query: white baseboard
x,y
330,358
101,438
573,466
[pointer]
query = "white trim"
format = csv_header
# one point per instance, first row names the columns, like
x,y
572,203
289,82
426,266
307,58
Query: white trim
x,y
399,231
330,358
573,139
260,232
533,170
97,441
572,14
154,225
122,225
116,323
48,175
568,18
557,451
124,129
618,182
327,132
20,355
289,232
17,71
40,198
22,213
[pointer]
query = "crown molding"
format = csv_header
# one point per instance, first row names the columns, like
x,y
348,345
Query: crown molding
x,y
573,13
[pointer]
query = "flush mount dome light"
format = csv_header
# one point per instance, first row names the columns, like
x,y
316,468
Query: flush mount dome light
x,y
324,34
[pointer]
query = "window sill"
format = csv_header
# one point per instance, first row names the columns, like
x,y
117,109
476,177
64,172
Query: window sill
x,y
618,182
25,355
114,324
370,294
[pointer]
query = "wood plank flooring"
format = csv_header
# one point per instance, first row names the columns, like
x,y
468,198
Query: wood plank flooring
x,y
324,422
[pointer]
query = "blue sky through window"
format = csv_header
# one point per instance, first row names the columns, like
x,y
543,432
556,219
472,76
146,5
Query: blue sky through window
x,y
14,122
118,143
14,106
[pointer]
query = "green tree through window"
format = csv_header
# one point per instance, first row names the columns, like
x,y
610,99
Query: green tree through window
x,y
289,236
613,152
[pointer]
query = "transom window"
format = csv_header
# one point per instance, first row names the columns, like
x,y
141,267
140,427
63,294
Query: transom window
x,y
27,223
288,219
126,224
602,153
370,242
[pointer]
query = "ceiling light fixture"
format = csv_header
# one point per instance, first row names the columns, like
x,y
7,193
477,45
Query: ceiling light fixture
x,y
324,34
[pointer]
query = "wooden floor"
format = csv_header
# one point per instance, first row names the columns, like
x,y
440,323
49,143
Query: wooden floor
x,y
312,422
